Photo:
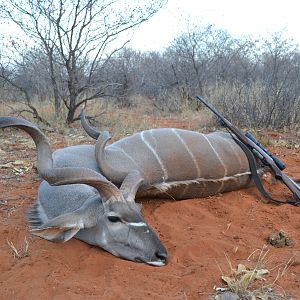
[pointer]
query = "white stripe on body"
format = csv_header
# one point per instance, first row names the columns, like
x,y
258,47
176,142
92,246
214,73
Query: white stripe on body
x,y
216,153
128,156
221,161
164,186
233,150
189,152
165,172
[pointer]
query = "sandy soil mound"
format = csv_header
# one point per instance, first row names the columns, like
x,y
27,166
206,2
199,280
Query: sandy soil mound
x,y
197,234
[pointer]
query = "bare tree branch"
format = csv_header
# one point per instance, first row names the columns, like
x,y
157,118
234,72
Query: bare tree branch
x,y
75,35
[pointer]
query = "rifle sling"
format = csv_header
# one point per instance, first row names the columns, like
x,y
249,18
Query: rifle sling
x,y
256,178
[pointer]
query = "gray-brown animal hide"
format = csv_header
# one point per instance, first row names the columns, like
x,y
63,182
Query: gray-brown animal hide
x,y
175,163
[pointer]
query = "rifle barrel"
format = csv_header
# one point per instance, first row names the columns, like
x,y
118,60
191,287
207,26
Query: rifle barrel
x,y
263,154
210,107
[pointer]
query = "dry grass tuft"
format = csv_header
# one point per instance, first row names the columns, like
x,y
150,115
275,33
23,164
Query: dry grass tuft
x,y
120,122
20,252
251,283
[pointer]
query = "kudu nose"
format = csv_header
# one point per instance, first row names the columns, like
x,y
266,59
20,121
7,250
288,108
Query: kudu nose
x,y
161,255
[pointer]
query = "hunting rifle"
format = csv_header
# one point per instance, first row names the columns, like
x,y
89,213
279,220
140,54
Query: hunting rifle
x,y
251,146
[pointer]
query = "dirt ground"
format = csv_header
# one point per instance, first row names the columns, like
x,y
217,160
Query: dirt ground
x,y
198,234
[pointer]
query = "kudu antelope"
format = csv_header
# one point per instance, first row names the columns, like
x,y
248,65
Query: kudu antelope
x,y
80,202
173,163
77,200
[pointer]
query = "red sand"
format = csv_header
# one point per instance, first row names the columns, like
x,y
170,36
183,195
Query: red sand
x,y
197,234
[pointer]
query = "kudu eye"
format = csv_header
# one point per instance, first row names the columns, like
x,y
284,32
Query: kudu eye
x,y
114,219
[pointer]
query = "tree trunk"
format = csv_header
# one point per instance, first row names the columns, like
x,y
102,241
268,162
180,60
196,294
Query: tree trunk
x,y
57,106
70,116
72,107
57,101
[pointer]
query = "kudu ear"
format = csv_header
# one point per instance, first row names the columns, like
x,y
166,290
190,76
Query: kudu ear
x,y
131,185
55,233
64,227
61,228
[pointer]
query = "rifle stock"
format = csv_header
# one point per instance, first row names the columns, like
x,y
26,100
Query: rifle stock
x,y
262,153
